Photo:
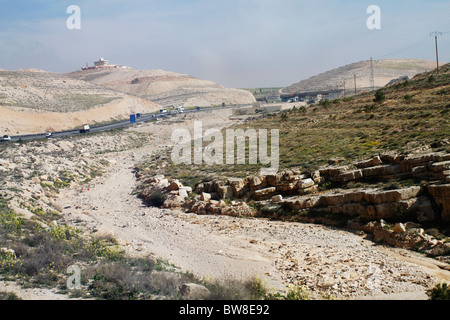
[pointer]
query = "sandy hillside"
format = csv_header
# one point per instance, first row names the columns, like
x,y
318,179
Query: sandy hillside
x,y
35,101
164,87
384,72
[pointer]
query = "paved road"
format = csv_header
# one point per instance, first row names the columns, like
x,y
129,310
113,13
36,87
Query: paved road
x,y
115,125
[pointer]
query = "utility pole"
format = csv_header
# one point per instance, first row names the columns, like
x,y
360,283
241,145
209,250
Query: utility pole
x,y
345,93
354,78
372,77
436,34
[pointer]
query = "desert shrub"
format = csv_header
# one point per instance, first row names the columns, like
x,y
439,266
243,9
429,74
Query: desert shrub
x,y
233,289
379,96
392,186
408,97
134,279
8,296
298,293
439,292
156,198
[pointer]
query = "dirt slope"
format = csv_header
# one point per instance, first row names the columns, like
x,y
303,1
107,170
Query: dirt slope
x,y
35,101
384,72
164,87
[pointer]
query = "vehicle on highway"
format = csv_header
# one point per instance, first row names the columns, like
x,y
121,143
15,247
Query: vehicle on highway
x,y
180,109
163,111
85,129
48,135
5,138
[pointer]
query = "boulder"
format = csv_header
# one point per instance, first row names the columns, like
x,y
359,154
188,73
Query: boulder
x,y
399,228
225,192
188,189
277,198
257,182
182,192
193,291
239,186
348,176
286,186
333,171
174,185
312,189
274,180
375,161
303,184
391,157
389,196
173,201
265,193
382,170
205,196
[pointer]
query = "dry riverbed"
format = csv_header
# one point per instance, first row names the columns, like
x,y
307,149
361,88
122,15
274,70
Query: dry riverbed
x,y
326,260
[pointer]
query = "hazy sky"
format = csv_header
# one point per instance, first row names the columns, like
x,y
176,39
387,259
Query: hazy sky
x,y
237,43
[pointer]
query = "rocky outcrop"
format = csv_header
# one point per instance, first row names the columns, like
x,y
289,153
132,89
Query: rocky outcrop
x,y
441,197
298,189
295,193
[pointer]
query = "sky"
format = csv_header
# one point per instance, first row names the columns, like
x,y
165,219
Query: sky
x,y
236,43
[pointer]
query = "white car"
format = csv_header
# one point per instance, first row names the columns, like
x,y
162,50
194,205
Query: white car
x,y
5,138
163,111
180,109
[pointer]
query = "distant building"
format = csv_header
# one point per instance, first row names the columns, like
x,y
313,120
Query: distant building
x,y
104,64
101,63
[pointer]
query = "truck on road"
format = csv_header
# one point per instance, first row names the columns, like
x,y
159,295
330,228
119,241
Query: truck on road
x,y
85,128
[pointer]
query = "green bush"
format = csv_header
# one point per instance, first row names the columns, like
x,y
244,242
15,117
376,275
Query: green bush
x,y
408,97
157,199
379,96
439,292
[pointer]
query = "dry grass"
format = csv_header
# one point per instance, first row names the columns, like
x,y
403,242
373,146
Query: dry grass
x,y
414,113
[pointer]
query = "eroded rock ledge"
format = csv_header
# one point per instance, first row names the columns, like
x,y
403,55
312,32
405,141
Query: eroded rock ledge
x,y
393,197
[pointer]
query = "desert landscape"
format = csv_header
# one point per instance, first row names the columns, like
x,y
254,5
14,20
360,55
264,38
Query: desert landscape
x,y
364,219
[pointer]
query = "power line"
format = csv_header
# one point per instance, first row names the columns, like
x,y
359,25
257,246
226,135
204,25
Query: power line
x,y
417,44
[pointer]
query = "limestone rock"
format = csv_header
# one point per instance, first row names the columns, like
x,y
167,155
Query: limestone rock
x,y
205,196
399,228
277,198
193,291
174,185
265,193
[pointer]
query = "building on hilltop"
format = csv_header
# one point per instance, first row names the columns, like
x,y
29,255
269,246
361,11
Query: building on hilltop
x,y
101,63
104,64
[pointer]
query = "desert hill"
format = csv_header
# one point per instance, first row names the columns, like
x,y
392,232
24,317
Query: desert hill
x,y
35,101
165,87
384,71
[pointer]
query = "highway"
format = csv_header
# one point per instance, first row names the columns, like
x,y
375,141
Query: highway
x,y
116,125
